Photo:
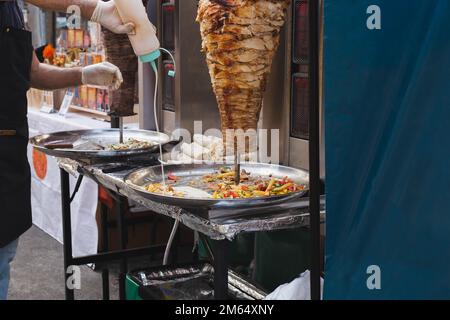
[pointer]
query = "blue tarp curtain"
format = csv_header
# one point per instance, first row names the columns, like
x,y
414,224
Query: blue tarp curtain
x,y
387,118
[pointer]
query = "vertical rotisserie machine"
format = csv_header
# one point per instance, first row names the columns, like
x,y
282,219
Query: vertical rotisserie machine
x,y
189,96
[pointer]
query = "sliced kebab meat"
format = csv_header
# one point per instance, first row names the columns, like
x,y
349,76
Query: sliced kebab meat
x,y
240,39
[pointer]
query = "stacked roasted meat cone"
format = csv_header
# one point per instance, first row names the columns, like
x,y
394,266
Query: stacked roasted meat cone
x,y
240,38
120,53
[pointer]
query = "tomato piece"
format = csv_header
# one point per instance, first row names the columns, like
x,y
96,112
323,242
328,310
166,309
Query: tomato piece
x,y
172,177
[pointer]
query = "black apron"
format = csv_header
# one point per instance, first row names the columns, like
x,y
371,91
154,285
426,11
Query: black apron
x,y
15,180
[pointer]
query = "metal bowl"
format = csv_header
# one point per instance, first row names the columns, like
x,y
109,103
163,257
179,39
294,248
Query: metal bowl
x,y
188,173
103,137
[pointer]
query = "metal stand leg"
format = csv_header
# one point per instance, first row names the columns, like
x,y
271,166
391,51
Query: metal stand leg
x,y
314,148
67,230
221,269
106,257
122,245
105,240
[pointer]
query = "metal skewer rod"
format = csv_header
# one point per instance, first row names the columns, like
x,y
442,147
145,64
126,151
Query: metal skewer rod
x,y
120,130
237,168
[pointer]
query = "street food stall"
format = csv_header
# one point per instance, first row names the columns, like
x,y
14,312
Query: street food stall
x,y
219,128
217,183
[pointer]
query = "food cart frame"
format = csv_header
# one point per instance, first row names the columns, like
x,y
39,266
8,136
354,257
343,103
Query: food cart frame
x,y
312,213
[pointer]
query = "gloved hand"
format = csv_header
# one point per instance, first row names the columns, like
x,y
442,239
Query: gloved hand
x,y
103,74
107,15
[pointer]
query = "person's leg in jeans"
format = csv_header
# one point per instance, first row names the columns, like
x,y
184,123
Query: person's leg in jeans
x,y
7,254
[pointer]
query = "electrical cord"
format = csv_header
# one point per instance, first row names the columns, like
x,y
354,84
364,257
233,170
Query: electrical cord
x,y
173,59
155,114
169,243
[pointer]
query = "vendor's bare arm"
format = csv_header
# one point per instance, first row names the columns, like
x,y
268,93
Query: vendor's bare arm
x,y
47,77
87,6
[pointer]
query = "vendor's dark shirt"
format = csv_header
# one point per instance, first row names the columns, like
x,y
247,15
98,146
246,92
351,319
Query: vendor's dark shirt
x,y
11,15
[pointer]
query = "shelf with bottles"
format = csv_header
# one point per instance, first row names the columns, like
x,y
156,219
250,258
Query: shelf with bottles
x,y
88,98
77,47
91,99
51,101
88,36
80,48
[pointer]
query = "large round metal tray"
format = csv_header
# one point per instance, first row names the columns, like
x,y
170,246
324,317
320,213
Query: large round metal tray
x,y
187,173
103,137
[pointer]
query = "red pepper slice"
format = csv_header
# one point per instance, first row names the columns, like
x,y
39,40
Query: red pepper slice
x,y
233,194
172,177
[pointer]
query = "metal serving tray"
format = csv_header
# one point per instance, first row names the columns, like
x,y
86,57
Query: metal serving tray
x,y
102,137
191,282
191,174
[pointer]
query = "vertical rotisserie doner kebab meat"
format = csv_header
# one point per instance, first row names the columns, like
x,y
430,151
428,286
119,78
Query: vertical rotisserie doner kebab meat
x,y
120,53
240,38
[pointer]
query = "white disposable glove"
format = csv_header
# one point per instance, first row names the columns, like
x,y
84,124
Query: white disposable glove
x,y
103,74
107,15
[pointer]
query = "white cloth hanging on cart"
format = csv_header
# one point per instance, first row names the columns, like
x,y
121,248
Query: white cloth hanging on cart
x,y
298,289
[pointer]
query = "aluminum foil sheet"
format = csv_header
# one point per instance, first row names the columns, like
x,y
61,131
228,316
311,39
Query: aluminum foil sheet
x,y
191,282
216,228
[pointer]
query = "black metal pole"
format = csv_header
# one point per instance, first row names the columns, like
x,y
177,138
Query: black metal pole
x,y
118,255
115,122
105,240
221,269
67,230
122,245
314,146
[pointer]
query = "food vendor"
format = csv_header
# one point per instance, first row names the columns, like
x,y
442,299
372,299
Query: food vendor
x,y
20,70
